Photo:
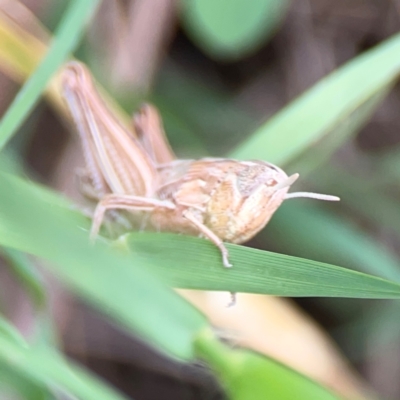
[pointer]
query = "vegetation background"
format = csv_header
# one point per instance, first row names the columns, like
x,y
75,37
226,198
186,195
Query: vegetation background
x,y
309,85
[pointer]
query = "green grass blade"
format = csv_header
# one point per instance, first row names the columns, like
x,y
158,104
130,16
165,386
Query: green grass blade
x,y
249,376
44,366
325,107
14,383
194,263
65,40
117,285
10,377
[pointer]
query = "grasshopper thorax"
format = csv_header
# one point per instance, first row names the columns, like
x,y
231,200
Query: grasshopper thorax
x,y
234,199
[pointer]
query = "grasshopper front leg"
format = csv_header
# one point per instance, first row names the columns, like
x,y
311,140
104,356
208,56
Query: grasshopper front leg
x,y
209,234
137,203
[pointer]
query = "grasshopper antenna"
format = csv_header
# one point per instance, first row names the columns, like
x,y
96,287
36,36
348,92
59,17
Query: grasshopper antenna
x,y
287,182
318,196
311,195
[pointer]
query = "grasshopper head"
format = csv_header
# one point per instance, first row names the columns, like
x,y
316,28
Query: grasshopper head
x,y
247,196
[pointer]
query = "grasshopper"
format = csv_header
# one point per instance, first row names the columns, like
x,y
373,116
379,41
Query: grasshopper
x,y
135,170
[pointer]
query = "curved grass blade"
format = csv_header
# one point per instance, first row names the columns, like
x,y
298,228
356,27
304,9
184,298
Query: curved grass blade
x,y
326,107
66,38
118,286
249,376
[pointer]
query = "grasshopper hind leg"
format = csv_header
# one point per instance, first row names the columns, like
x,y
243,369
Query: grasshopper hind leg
x,y
114,218
127,203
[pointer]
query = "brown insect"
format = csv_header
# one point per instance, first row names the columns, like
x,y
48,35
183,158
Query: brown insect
x,y
220,199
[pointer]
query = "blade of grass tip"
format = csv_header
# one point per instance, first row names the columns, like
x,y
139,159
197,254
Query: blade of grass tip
x,y
66,39
254,271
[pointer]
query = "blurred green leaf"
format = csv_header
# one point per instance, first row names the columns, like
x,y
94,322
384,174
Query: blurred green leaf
x,y
65,40
319,152
365,195
11,334
11,162
194,263
230,29
197,114
326,108
10,379
388,166
42,365
26,272
249,376
119,286
308,230
379,327
14,383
